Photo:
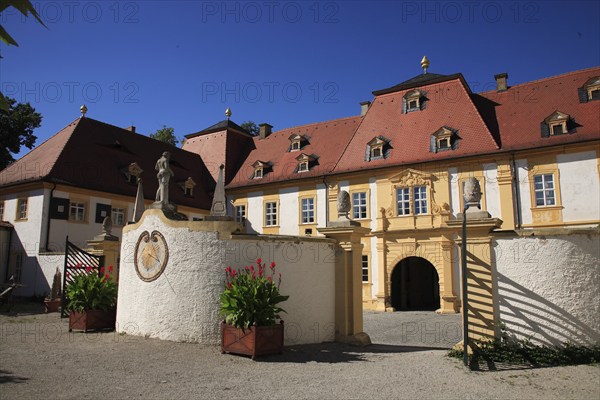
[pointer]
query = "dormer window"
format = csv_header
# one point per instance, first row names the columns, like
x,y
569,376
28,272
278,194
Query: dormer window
x,y
297,142
305,162
557,123
414,100
132,173
188,187
260,169
443,139
378,148
590,90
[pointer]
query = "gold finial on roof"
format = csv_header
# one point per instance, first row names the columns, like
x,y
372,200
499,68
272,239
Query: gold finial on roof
x,y
228,112
83,110
424,64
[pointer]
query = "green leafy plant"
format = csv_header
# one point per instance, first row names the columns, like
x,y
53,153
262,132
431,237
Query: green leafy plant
x,y
251,296
506,349
90,290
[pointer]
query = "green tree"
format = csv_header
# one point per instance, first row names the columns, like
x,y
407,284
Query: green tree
x,y
25,7
16,129
166,135
251,127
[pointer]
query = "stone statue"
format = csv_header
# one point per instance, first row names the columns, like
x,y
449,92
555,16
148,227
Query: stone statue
x,y
164,174
343,203
107,226
472,192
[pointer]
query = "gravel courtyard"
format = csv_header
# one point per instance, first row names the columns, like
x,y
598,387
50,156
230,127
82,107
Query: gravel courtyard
x,y
39,358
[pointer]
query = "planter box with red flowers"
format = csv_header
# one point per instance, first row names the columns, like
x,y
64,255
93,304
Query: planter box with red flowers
x,y
92,299
250,305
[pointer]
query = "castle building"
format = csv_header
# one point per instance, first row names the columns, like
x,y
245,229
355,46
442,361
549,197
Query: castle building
x,y
533,147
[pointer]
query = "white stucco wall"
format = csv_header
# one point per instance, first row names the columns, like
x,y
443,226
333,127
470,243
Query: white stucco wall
x,y
321,206
524,191
288,211
549,287
454,191
492,190
254,213
579,186
183,303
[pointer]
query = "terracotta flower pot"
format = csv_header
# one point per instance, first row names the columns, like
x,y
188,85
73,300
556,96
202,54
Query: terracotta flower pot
x,y
253,341
51,305
92,320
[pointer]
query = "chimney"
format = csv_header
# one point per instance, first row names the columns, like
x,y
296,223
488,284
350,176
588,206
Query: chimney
x,y
130,128
264,130
364,107
501,84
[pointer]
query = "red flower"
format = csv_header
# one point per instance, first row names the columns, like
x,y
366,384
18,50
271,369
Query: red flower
x,y
259,261
233,273
228,270
89,268
269,279
273,265
229,285
102,270
110,268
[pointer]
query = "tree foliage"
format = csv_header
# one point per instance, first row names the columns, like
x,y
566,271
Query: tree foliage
x,y
16,129
25,7
166,135
251,127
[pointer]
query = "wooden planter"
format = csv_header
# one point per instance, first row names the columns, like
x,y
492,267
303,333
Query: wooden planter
x,y
52,305
95,320
253,341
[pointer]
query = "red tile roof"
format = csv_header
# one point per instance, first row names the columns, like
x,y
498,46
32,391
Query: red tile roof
x,y
325,141
521,109
91,154
449,103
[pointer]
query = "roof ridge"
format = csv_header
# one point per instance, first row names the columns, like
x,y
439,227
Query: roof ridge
x,y
536,81
318,123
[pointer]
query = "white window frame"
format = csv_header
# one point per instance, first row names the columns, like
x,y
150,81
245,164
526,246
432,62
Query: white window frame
x,y
1,210
295,145
420,200
271,213
240,213
22,209
79,207
303,166
118,214
544,190
258,173
403,203
308,210
359,205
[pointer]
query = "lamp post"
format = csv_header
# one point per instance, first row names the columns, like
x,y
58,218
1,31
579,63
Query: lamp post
x,y
471,197
465,308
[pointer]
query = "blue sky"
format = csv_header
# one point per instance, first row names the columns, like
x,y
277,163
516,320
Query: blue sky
x,y
287,63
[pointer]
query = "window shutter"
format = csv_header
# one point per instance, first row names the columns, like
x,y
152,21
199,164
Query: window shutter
x,y
403,105
583,96
545,129
368,153
432,144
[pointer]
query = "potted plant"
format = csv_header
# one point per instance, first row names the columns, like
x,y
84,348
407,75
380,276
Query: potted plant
x,y
53,300
92,299
250,305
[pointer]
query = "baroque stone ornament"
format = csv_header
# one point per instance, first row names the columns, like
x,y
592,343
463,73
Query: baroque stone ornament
x,y
343,203
151,255
472,192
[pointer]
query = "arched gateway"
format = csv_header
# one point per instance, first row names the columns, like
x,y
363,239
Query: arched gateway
x,y
415,285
